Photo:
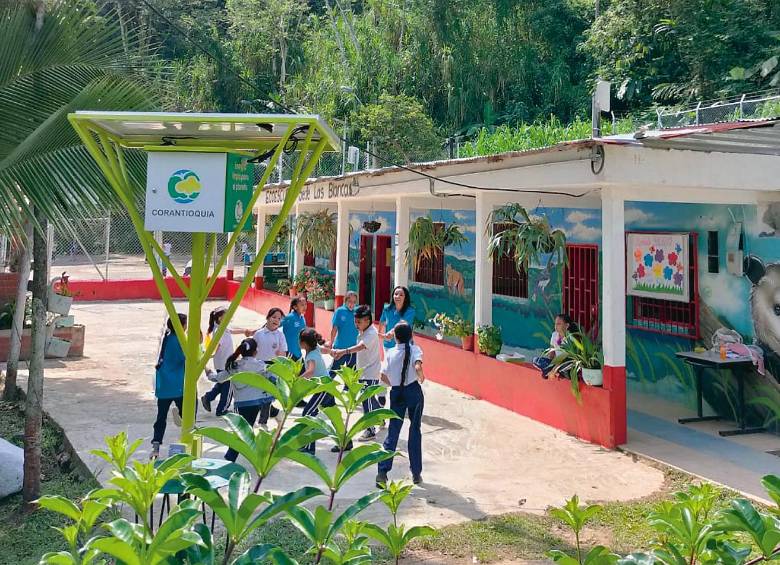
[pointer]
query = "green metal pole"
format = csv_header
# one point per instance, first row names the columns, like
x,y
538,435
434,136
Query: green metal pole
x,y
192,365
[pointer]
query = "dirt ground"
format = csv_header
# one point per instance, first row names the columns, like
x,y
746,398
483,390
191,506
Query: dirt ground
x,y
479,459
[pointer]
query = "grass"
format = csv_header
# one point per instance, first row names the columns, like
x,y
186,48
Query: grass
x,y
621,526
25,537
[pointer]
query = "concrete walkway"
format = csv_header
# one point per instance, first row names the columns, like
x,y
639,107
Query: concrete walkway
x,y
478,459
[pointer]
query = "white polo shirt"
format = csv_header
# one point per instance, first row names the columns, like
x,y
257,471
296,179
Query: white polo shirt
x,y
394,363
369,359
269,343
224,350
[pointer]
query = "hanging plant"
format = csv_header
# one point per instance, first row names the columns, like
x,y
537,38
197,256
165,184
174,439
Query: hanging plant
x,y
524,237
427,240
317,232
371,226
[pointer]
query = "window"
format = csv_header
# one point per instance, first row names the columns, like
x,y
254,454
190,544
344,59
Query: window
x,y
581,286
508,280
669,317
713,255
431,271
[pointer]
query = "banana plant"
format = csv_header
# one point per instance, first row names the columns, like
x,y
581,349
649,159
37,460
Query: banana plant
x,y
396,537
243,512
84,519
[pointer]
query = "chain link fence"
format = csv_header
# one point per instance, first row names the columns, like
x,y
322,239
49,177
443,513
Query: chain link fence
x,y
746,107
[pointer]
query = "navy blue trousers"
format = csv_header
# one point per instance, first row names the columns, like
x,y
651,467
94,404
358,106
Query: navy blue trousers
x,y
405,400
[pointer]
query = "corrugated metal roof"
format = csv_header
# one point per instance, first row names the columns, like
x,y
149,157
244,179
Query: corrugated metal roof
x,y
761,137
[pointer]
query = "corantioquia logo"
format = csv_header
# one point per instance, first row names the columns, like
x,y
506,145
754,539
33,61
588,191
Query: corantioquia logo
x,y
184,186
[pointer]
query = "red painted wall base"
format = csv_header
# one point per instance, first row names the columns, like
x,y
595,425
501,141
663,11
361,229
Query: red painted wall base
x,y
142,289
259,282
229,274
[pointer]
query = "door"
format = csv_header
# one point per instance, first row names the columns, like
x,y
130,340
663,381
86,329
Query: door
x,y
384,251
366,267
581,286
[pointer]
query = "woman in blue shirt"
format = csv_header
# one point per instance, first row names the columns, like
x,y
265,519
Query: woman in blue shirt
x,y
168,382
292,326
399,309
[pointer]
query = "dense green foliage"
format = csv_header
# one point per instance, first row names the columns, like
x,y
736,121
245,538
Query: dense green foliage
x,y
465,64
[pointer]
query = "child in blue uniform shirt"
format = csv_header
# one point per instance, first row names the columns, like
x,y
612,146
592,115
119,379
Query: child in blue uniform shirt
x,y
293,324
314,367
168,382
344,333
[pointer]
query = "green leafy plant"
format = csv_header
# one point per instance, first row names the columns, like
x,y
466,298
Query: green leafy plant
x,y
316,232
283,286
427,240
576,517
306,279
489,340
575,353
523,237
455,326
397,536
334,537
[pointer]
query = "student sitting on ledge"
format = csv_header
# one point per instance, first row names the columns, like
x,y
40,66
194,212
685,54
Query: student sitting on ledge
x,y
564,326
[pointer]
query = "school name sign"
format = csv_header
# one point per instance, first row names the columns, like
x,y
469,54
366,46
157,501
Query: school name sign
x,y
197,192
314,193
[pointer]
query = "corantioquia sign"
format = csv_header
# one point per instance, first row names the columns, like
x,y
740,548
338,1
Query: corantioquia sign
x,y
314,193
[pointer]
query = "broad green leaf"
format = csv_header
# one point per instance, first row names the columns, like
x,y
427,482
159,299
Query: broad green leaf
x,y
283,503
264,553
58,558
60,505
772,485
358,460
119,549
314,464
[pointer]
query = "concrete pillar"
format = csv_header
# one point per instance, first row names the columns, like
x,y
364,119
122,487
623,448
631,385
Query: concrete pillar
x,y
297,252
231,259
483,265
342,252
260,238
613,299
3,251
401,271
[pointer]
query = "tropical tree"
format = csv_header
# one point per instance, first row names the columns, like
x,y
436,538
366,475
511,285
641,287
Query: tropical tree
x,y
55,58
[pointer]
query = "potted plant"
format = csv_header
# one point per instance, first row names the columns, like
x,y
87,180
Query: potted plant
x,y
305,281
489,340
455,327
524,237
285,286
327,288
317,232
579,355
427,240
60,297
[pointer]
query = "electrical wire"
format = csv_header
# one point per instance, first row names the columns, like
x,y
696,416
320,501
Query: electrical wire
x,y
265,97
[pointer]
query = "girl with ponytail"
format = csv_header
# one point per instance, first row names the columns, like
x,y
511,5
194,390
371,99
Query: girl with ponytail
x,y
402,372
249,400
223,351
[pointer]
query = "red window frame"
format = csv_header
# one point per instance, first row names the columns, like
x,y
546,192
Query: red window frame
x,y
668,317
431,271
508,280
581,290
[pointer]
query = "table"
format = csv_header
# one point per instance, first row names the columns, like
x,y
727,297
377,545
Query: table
x,y
740,367
216,471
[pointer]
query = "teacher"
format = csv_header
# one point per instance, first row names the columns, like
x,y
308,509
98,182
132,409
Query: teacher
x,y
399,309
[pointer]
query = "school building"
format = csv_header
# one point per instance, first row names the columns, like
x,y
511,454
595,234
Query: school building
x,y
671,236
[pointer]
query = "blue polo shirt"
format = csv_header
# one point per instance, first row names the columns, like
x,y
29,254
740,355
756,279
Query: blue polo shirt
x,y
391,317
292,326
344,322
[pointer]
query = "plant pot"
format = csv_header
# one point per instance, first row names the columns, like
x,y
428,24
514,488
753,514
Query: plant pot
x,y
59,304
330,304
57,347
593,377
467,343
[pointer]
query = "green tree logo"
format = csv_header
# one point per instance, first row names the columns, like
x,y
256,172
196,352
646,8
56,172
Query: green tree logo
x,y
184,186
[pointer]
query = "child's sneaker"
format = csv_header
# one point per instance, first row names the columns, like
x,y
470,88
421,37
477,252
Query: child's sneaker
x,y
381,479
264,427
369,434
417,479
176,416
206,403
155,453
279,418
